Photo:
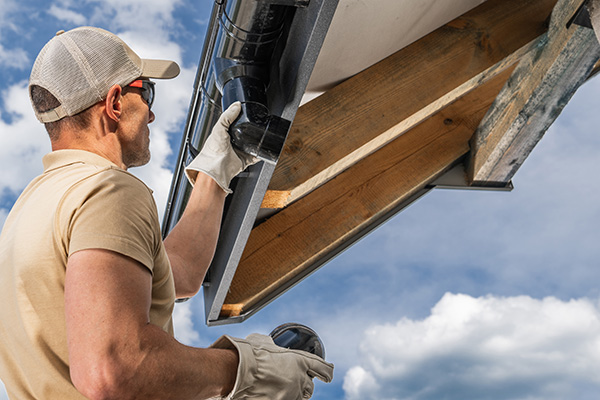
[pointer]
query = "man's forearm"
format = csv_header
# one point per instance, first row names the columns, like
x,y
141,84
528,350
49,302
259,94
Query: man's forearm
x,y
158,367
192,242
169,369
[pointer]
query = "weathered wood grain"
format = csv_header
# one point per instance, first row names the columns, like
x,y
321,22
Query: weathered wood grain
x,y
363,114
293,240
534,96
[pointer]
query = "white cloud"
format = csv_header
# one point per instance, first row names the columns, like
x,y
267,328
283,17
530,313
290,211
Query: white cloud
x,y
6,7
3,215
3,394
359,380
13,58
65,15
24,140
151,17
487,347
148,46
10,58
184,325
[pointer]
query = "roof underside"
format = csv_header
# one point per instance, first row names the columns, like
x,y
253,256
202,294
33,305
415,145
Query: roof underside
x,y
364,32
404,91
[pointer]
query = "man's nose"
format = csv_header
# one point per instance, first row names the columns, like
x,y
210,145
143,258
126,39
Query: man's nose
x,y
152,117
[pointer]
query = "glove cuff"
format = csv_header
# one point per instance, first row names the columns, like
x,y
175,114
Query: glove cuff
x,y
247,367
191,174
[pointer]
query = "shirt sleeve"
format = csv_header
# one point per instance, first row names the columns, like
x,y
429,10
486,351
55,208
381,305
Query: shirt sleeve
x,y
113,210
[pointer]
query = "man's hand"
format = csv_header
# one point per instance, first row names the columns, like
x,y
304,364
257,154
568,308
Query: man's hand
x,y
269,372
218,159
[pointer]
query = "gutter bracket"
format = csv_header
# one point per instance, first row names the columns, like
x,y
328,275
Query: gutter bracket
x,y
291,3
456,178
581,17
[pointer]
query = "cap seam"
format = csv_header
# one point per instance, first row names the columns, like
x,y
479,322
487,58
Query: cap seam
x,y
75,51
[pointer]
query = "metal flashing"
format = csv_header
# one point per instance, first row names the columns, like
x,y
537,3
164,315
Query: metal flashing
x,y
456,178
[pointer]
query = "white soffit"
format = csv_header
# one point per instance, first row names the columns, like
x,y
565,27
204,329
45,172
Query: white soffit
x,y
364,32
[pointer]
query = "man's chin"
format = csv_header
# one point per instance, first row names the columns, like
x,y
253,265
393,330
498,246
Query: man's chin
x,y
140,160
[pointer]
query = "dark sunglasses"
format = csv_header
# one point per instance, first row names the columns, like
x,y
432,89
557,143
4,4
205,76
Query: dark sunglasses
x,y
147,90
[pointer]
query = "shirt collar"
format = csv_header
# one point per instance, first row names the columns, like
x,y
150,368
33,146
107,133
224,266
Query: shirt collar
x,y
61,158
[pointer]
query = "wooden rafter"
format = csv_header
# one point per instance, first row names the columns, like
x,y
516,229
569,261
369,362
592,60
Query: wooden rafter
x,y
371,109
291,241
534,96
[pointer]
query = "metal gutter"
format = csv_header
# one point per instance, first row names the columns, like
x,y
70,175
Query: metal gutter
x,y
351,240
259,52
454,178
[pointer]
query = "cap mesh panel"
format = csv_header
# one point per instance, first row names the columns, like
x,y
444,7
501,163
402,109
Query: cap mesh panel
x,y
80,77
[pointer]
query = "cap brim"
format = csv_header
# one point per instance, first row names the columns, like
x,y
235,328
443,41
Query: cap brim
x,y
159,69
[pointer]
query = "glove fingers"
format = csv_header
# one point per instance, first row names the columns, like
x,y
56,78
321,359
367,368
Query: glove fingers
x,y
219,140
320,369
230,114
308,389
246,159
257,339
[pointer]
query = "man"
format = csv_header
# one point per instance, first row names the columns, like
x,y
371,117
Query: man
x,y
87,285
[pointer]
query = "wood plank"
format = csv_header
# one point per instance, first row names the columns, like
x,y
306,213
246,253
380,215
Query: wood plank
x,y
293,240
534,96
362,114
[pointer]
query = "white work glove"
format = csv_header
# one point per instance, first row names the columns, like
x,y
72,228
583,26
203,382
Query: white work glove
x,y
218,159
269,372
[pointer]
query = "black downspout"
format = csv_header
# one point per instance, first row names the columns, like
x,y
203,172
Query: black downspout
x,y
249,33
238,62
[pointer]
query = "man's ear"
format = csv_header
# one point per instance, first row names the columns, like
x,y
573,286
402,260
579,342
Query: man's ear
x,y
113,104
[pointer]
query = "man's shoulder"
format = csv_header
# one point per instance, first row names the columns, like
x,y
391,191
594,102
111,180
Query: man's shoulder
x,y
110,184
118,177
91,176
73,167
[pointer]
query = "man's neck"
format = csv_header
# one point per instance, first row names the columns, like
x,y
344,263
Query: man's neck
x,y
113,157
96,140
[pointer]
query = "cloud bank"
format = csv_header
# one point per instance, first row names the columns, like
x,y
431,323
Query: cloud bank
x,y
24,141
10,57
66,15
483,348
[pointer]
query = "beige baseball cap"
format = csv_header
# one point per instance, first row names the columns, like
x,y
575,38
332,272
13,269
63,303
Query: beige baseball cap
x,y
79,67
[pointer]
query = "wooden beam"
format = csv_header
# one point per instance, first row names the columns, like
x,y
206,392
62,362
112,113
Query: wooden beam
x,y
294,240
364,113
541,85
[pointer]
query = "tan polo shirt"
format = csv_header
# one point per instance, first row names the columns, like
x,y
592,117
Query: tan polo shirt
x,y
81,201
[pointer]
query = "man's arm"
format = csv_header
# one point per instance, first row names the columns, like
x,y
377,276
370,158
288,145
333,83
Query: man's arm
x,y
114,352
191,243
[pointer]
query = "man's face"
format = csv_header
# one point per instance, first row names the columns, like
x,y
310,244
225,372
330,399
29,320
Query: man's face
x,y
135,134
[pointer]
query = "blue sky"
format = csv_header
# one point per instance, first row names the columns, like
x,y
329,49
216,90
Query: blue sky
x,y
464,295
